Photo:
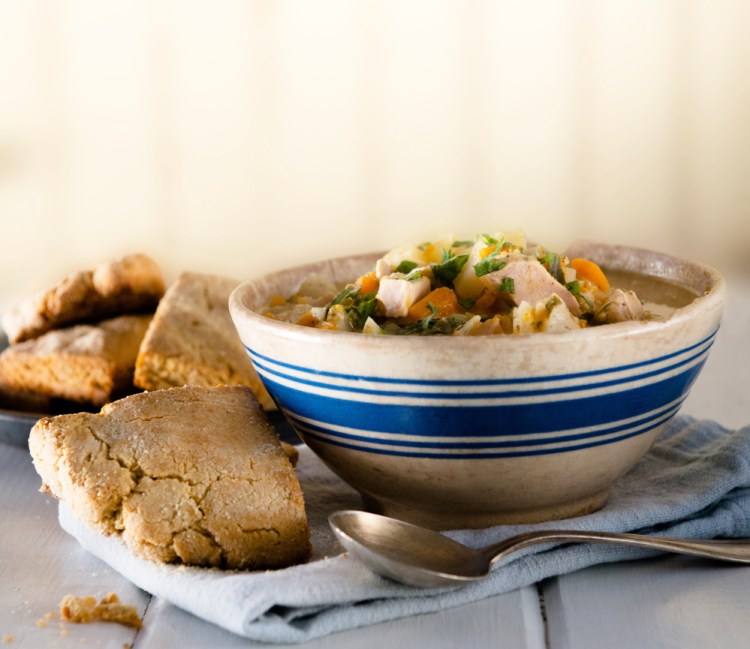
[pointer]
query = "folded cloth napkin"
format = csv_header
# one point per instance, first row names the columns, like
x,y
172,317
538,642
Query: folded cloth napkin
x,y
694,482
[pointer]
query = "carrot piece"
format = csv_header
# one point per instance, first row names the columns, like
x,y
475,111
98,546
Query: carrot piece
x,y
307,319
277,300
443,299
485,252
368,284
586,269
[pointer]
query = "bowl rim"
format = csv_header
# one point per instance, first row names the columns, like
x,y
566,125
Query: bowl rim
x,y
712,298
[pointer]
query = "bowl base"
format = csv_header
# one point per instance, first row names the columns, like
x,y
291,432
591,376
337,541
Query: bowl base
x,y
444,519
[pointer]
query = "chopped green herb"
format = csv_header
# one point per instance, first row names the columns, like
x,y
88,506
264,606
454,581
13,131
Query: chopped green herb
x,y
467,303
365,308
347,292
449,324
358,307
428,326
406,266
464,243
425,322
424,245
489,240
449,268
415,274
508,285
575,289
552,260
488,265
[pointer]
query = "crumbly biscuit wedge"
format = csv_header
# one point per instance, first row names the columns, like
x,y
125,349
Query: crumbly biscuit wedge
x,y
133,284
192,340
84,363
23,400
192,475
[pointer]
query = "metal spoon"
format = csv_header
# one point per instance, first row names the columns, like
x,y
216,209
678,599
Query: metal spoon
x,y
421,557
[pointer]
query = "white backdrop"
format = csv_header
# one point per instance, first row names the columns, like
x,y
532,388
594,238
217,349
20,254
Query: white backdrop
x,y
237,136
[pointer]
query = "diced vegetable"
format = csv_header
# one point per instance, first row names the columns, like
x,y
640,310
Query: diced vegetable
x,y
586,269
308,320
368,284
439,303
397,295
485,302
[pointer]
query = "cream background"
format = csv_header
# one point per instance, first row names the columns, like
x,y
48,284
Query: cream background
x,y
234,137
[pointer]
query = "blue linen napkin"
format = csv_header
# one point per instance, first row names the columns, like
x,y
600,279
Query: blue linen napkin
x,y
694,482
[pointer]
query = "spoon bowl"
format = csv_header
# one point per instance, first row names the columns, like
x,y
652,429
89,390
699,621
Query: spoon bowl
x,y
420,557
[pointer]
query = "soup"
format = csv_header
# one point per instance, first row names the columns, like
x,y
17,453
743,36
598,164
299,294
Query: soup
x,y
659,297
488,285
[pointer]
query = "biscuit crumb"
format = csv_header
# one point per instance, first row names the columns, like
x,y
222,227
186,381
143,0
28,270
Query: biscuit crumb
x,y
83,610
8,639
44,621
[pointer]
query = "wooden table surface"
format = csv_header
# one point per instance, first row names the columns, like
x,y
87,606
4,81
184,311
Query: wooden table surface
x,y
665,602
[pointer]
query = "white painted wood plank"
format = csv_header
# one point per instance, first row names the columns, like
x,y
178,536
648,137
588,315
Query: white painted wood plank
x,y
666,602
40,564
510,620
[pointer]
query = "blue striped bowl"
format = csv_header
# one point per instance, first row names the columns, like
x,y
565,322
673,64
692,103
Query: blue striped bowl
x,y
456,431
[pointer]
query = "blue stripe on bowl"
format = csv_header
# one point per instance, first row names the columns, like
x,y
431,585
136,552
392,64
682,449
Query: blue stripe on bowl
x,y
487,455
257,357
267,372
450,421
376,439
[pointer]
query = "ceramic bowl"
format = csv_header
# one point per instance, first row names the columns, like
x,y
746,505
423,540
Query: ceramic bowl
x,y
452,432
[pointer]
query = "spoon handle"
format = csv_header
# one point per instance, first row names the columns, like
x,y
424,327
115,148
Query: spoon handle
x,y
737,550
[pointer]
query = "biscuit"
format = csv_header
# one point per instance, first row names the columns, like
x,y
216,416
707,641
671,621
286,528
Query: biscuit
x,y
192,475
192,340
133,284
23,400
83,363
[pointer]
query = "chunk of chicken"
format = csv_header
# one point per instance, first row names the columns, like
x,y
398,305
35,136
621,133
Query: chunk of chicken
x,y
382,268
498,324
551,316
622,306
531,282
337,319
396,294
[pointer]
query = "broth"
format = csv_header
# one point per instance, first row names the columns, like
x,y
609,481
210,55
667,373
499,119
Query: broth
x,y
660,297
